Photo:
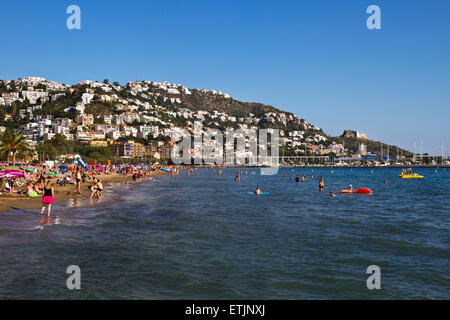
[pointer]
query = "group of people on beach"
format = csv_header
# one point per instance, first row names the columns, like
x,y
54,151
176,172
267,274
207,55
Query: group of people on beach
x,y
42,180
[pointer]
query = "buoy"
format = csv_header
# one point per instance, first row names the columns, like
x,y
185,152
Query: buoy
x,y
331,171
371,171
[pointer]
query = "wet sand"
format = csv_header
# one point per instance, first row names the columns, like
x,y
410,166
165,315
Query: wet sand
x,y
62,193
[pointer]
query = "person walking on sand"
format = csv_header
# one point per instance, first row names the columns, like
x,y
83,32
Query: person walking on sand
x,y
47,198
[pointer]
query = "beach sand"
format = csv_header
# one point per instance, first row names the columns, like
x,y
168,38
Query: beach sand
x,y
62,193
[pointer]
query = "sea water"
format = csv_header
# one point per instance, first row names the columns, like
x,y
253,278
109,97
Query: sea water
x,y
204,237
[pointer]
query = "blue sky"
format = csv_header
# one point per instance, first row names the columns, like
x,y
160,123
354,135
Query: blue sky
x,y
316,59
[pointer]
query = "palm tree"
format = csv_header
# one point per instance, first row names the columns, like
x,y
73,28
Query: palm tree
x,y
12,141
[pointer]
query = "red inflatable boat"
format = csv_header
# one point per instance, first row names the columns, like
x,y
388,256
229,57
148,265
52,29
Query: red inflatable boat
x,y
360,191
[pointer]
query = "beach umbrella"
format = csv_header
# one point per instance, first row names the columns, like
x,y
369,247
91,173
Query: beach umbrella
x,y
11,174
30,169
51,174
99,168
16,173
6,176
63,166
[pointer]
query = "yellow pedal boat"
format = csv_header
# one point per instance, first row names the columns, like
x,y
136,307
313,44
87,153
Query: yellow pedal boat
x,y
410,176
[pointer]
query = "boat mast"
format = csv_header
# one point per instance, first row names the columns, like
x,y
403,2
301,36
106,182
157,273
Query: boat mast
x,y
421,153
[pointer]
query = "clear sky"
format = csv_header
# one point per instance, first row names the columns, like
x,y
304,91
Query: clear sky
x,y
314,58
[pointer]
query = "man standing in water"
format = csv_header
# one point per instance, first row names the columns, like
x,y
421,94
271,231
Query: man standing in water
x,y
78,180
321,184
237,178
303,178
297,179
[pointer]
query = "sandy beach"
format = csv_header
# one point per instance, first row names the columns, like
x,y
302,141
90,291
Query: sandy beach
x,y
62,193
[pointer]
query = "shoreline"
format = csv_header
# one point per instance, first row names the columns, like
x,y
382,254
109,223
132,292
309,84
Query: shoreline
x,y
64,193
437,166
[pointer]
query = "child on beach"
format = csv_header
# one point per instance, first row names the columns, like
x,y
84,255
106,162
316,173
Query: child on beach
x,y
47,198
29,190
38,186
97,188
9,185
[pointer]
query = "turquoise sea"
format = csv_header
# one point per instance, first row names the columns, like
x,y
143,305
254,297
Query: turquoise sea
x,y
204,237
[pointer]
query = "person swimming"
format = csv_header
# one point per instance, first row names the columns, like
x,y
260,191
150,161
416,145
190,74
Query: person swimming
x,y
258,190
237,178
332,194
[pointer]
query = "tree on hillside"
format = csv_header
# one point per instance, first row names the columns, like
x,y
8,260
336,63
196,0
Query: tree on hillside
x,y
41,86
13,142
